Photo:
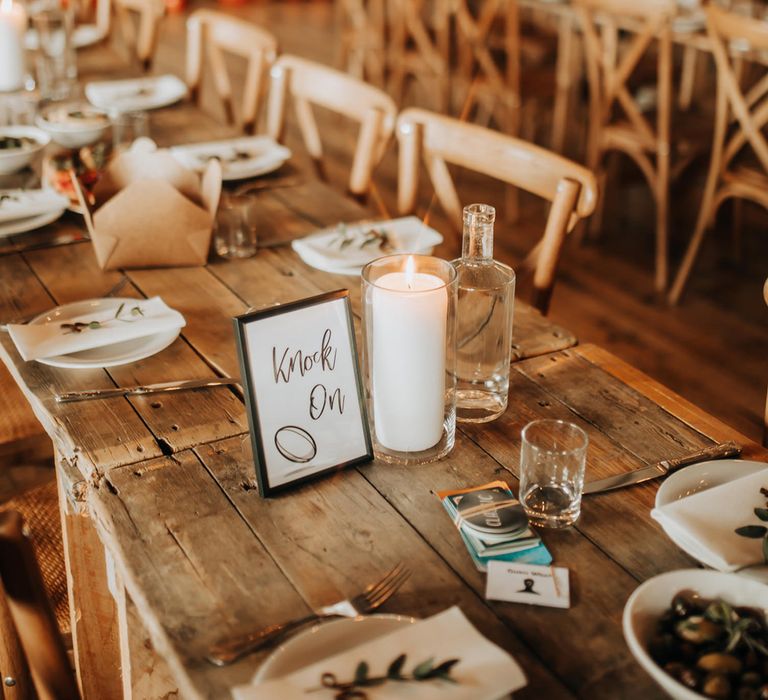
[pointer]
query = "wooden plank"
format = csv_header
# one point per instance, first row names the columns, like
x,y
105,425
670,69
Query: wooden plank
x,y
354,534
193,568
177,421
94,615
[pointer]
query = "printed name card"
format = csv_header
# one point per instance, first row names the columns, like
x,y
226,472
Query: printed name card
x,y
528,583
302,385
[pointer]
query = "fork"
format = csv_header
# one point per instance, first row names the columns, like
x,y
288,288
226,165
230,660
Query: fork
x,y
376,594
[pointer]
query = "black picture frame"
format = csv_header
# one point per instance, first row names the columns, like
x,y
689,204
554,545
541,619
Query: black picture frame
x,y
268,460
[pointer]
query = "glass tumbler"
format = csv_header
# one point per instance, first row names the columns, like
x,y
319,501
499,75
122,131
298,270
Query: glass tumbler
x,y
552,460
409,327
235,227
56,62
127,127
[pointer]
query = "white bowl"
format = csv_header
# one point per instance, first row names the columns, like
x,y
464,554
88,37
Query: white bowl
x,y
74,134
14,159
652,598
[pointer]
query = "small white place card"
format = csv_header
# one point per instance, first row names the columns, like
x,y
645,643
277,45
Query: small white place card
x,y
528,583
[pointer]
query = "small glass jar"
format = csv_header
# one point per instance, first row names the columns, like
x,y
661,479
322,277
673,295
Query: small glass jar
x,y
409,330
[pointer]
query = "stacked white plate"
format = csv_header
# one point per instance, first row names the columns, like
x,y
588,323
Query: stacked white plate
x,y
26,210
249,156
346,248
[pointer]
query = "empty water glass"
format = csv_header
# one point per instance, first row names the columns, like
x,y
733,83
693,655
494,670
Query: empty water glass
x,y
127,127
552,459
55,62
235,229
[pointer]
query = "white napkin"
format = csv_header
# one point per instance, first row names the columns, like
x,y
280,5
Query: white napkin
x,y
135,94
264,154
34,341
706,522
407,234
22,204
484,672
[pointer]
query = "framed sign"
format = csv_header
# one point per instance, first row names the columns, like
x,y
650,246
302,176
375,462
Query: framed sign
x,y
303,391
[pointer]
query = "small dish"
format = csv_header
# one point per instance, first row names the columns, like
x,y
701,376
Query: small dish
x,y
19,145
240,158
74,124
324,640
136,95
652,598
29,223
122,353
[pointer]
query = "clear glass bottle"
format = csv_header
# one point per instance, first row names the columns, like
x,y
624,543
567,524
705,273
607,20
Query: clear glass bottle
x,y
484,321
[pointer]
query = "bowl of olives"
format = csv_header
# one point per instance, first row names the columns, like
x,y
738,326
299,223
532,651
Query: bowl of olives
x,y
701,634
18,147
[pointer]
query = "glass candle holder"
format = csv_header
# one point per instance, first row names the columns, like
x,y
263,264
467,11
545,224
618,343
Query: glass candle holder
x,y
409,329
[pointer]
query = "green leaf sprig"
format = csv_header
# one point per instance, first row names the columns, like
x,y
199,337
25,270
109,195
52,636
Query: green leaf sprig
x,y
135,313
379,237
756,532
354,689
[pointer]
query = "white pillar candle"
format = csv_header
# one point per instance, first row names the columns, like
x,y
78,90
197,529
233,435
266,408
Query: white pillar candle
x,y
13,25
408,359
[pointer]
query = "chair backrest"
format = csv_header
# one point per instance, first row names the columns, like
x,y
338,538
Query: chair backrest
x,y
216,33
33,618
311,83
570,187
750,107
142,40
609,69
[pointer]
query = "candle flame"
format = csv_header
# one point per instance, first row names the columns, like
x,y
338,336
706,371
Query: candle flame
x,y
410,271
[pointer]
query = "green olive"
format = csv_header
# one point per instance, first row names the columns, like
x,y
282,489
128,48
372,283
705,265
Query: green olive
x,y
717,662
698,630
716,685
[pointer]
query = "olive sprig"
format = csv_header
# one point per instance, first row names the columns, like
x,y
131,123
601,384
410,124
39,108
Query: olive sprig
x,y
758,531
738,629
380,237
80,326
353,690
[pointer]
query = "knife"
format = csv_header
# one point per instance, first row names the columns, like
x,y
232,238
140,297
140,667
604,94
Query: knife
x,y
145,389
666,466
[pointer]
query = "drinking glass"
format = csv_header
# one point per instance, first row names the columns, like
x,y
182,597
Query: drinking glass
x,y
552,459
235,228
55,63
127,127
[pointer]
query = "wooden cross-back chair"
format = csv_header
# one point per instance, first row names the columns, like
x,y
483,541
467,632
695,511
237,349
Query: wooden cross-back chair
x,y
310,83
419,46
440,140
139,22
765,413
214,34
362,43
740,118
32,652
616,121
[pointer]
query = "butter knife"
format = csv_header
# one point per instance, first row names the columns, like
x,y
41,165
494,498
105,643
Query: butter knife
x,y
666,466
162,387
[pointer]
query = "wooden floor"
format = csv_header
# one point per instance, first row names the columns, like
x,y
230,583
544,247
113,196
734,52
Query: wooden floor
x,y
712,349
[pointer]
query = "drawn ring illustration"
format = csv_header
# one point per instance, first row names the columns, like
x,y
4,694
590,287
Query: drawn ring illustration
x,y
295,444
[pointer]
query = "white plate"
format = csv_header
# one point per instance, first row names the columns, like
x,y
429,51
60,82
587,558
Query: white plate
x,y
82,36
136,94
701,477
322,249
29,223
265,155
325,640
108,355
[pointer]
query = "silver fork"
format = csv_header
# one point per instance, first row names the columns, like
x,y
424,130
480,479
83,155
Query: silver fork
x,y
228,651
26,319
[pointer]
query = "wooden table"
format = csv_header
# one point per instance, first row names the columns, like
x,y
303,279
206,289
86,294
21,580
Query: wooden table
x,y
170,547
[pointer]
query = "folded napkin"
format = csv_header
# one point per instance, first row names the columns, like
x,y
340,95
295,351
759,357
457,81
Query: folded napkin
x,y
21,204
484,672
705,522
350,245
135,94
241,157
34,341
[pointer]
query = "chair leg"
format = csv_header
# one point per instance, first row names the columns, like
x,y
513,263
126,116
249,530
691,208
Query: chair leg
x,y
687,78
765,423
